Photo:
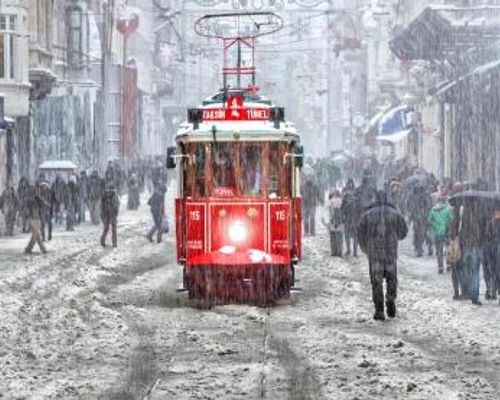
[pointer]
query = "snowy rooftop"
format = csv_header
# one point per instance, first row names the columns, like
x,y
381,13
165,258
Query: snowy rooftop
x,y
447,29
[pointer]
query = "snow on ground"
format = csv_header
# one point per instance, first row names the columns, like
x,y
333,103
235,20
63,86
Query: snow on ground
x,y
89,323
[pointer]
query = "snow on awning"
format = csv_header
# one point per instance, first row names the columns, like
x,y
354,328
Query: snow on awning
x,y
373,123
60,165
446,87
394,137
482,69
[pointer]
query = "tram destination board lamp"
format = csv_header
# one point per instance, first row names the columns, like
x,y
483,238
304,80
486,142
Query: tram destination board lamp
x,y
276,115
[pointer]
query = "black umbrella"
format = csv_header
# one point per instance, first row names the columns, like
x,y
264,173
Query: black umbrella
x,y
417,180
479,196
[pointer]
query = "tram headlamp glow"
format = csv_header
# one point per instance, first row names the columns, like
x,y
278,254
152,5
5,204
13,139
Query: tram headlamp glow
x,y
238,232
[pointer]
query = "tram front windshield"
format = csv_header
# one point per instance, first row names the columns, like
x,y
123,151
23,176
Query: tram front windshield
x,y
230,169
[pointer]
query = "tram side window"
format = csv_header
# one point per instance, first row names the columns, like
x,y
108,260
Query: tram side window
x,y
251,169
280,174
199,169
274,170
224,173
185,163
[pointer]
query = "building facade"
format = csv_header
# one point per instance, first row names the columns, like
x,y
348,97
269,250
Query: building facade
x,y
15,139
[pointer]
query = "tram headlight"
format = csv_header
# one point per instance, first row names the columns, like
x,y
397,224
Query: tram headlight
x,y
238,232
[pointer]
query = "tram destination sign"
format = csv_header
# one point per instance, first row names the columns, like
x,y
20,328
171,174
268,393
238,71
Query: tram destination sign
x,y
235,111
241,114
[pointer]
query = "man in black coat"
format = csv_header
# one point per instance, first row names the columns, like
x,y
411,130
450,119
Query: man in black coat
x,y
83,186
350,215
380,228
311,198
157,203
71,200
45,191
419,205
110,206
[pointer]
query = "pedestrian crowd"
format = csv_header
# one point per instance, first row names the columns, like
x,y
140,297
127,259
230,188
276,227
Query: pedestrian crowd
x,y
63,199
457,223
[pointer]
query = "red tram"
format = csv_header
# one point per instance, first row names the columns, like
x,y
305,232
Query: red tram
x,y
238,210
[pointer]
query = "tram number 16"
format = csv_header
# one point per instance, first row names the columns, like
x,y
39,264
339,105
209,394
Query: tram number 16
x,y
194,215
280,215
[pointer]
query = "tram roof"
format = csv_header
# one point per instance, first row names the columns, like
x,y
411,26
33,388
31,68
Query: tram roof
x,y
229,130
237,130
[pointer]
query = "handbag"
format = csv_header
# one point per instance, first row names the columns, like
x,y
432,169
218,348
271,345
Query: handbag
x,y
453,251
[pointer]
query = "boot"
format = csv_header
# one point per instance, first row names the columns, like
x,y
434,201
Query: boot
x,y
379,312
391,309
103,241
379,315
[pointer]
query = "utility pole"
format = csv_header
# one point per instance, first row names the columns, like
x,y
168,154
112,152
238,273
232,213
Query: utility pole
x,y
334,86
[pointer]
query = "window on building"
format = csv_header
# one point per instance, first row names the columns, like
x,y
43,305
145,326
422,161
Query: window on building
x,y
7,45
75,36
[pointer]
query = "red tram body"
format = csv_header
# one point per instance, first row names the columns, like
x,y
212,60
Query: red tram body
x,y
238,211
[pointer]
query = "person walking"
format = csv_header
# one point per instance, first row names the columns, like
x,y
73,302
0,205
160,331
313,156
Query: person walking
x,y
133,192
23,193
9,204
419,205
110,206
95,191
34,206
380,228
311,197
110,175
334,223
439,219
45,192
459,279
469,233
58,194
157,204
350,216
71,202
492,239
366,192
83,185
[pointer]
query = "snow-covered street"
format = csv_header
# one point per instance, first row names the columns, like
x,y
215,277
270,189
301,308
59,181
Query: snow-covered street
x,y
83,322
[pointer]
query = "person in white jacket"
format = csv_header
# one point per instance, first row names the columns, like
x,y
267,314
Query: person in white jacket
x,y
333,222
